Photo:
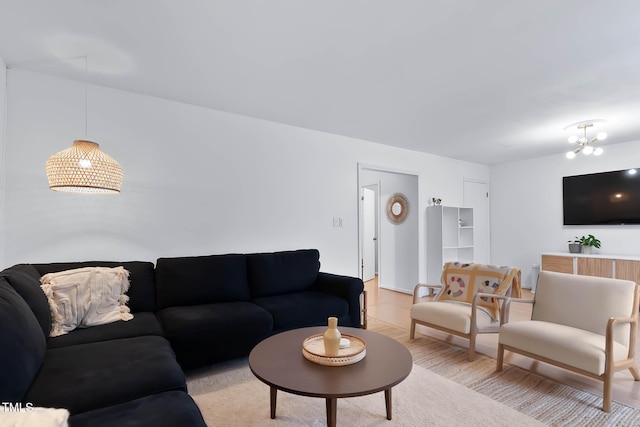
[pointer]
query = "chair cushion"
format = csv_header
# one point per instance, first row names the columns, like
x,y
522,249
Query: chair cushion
x,y
301,309
462,281
572,346
282,272
451,315
89,376
85,297
142,324
168,409
200,280
22,344
142,290
25,279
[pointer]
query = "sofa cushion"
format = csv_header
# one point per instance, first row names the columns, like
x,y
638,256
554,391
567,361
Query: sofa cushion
x,y
282,272
168,409
85,377
86,297
142,290
22,344
201,280
209,333
300,309
25,279
142,324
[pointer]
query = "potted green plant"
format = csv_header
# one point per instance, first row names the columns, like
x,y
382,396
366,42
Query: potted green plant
x,y
584,244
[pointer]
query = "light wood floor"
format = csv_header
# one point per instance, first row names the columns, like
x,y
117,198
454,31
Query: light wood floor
x,y
393,307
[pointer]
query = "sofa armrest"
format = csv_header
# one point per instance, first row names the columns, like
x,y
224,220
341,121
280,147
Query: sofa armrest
x,y
346,287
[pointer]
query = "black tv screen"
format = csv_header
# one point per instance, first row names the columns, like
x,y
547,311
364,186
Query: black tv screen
x,y
602,198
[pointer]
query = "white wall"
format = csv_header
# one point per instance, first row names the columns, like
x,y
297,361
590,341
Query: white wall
x,y
526,207
196,181
3,113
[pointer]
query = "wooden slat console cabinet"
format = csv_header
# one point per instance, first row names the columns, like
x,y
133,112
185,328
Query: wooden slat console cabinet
x,y
628,269
616,266
601,267
557,263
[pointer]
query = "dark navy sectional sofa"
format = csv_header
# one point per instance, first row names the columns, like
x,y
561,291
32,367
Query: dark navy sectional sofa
x,y
189,312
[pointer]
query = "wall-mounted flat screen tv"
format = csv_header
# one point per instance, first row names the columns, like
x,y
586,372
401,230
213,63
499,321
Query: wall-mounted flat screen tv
x,y
602,198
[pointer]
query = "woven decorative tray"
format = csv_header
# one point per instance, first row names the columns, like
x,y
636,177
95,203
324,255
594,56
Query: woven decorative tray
x,y
313,350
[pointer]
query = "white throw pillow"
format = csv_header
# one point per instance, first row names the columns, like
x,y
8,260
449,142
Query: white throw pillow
x,y
85,297
35,417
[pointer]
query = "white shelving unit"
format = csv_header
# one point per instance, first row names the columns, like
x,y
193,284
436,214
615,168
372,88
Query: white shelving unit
x,y
449,238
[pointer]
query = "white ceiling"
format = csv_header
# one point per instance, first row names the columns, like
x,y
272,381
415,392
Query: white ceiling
x,y
487,81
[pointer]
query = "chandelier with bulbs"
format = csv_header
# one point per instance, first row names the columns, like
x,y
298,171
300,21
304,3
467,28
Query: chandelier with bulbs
x,y
585,144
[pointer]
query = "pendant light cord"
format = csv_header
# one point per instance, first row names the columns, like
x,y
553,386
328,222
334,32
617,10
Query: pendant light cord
x,y
86,96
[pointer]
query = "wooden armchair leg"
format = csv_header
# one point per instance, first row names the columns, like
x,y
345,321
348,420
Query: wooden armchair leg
x,y
606,394
635,372
500,357
412,331
472,348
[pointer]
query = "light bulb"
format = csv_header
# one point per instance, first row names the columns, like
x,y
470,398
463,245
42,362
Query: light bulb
x,y
571,154
597,151
601,136
573,138
582,140
632,171
587,150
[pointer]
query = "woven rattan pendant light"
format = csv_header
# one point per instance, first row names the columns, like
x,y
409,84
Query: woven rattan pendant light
x,y
83,167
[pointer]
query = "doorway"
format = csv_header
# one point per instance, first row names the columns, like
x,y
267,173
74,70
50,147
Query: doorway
x,y
397,243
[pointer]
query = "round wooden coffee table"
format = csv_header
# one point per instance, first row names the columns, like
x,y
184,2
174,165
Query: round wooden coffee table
x,y
278,362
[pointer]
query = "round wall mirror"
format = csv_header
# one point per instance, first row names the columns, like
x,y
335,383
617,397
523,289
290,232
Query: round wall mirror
x,y
397,208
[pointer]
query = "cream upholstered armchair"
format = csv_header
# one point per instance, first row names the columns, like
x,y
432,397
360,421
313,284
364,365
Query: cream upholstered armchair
x,y
581,323
468,300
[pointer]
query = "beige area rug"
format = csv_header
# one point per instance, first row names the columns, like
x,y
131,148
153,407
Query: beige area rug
x,y
229,395
546,400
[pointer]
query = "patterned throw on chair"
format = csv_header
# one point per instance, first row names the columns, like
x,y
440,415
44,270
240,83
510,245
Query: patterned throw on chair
x,y
461,281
